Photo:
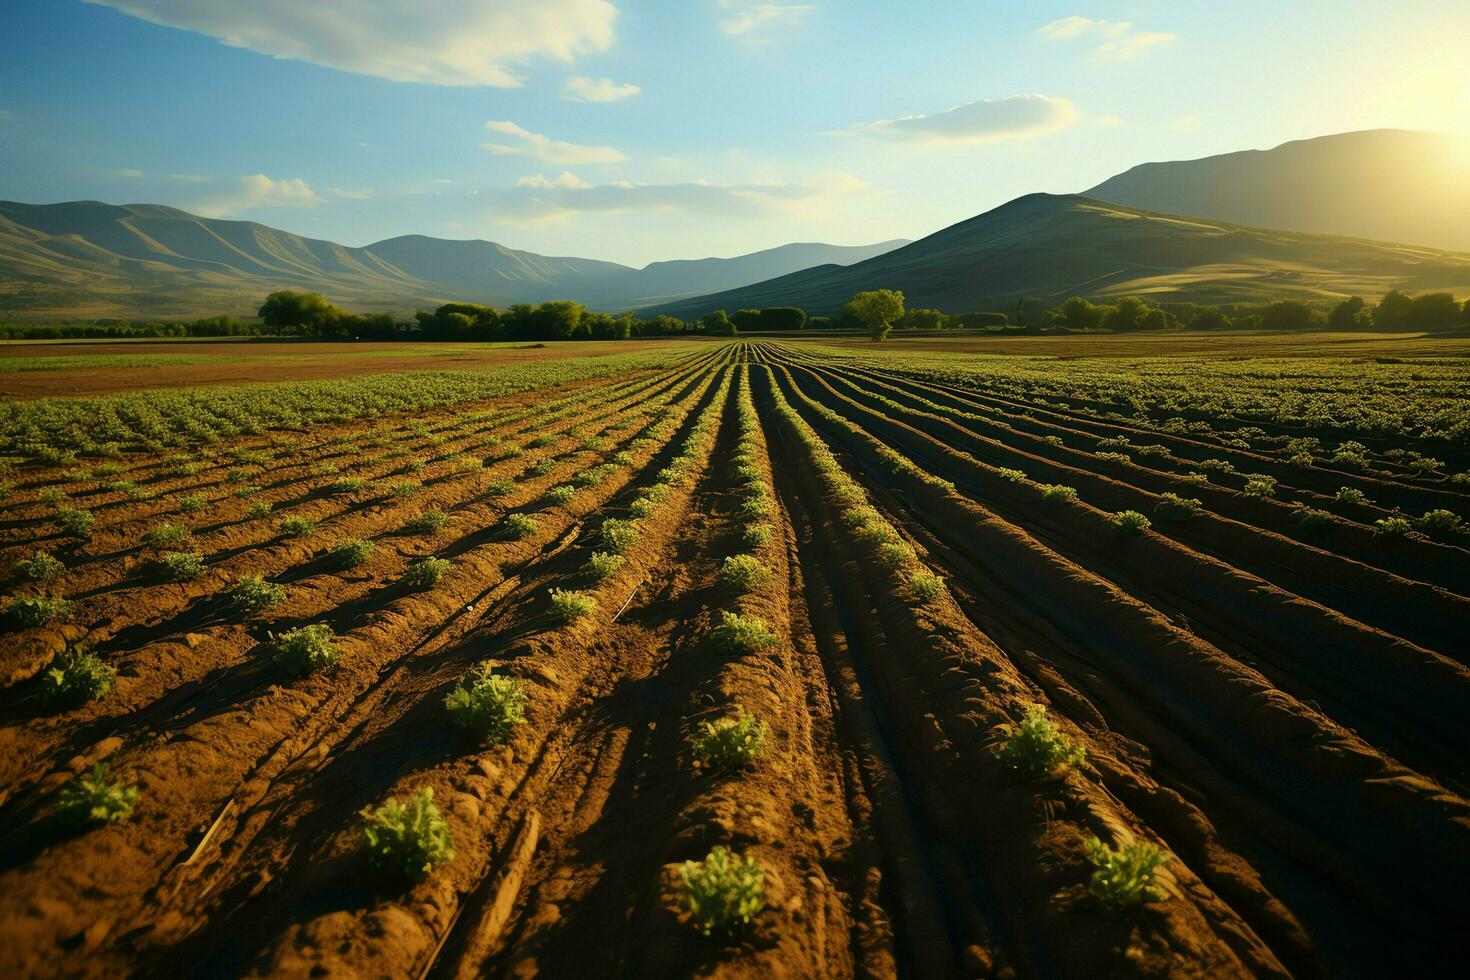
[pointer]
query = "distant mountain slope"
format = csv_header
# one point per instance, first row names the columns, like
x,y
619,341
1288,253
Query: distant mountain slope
x,y
86,258
1052,247
1384,184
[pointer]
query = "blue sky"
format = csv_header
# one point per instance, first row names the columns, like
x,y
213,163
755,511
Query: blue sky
x,y
637,131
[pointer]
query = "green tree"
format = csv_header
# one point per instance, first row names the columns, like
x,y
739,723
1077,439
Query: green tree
x,y
1350,314
1209,318
1078,314
876,309
1127,315
925,319
718,324
303,313
1392,311
1434,311
1288,314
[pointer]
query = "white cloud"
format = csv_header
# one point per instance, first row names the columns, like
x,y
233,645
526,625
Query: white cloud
x,y
1184,122
352,193
190,178
546,149
746,18
539,199
256,191
1118,40
987,121
441,42
580,88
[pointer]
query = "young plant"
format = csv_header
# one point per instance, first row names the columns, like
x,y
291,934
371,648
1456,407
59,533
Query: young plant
x,y
520,526
561,494
1172,507
1259,486
1131,522
426,573
92,799
192,503
1439,522
925,586
167,535
40,567
345,485
744,572
27,612
618,536
74,678
297,526
253,593
182,566
729,743
486,704
1393,527
569,606
603,565
740,635
1351,495
1055,494
1314,521
429,522
1035,747
408,839
76,523
352,552
500,488
723,893
259,509
1125,876
305,649
895,554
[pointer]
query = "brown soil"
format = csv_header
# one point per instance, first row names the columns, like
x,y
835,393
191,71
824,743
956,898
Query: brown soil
x,y
1283,717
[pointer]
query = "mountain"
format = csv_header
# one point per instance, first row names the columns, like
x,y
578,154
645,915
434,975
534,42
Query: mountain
x,y
1384,184
87,258
1056,246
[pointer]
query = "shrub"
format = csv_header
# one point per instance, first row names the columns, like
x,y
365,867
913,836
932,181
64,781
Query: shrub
x,y
603,565
561,494
76,523
520,526
1035,747
1351,495
93,799
723,892
425,573
1172,507
75,677
167,535
305,649
1131,522
1055,494
27,612
744,572
738,634
40,567
755,535
570,605
729,743
925,586
352,552
182,566
429,522
407,839
486,704
1124,876
1439,522
618,536
193,503
297,526
253,593
1395,527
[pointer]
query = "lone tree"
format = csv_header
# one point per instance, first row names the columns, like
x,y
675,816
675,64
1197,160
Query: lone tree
x,y
877,309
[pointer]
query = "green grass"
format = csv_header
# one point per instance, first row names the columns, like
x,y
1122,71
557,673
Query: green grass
x,y
297,526
182,566
520,526
352,552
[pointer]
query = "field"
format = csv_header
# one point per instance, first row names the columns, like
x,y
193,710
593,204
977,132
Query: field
x,y
1005,658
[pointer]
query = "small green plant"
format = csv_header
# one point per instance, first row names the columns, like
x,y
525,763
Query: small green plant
x,y
1131,522
1125,876
192,504
520,526
561,494
617,535
744,572
1351,495
1055,494
167,535
1217,465
1172,507
1393,527
426,573
895,554
925,586
305,649
253,593
352,552
75,677
1035,747
27,612
76,523
403,489
756,535
541,467
1439,522
248,490
408,839
345,485
729,743
723,893
569,605
499,488
486,704
258,509
603,565
429,522
93,799
182,566
40,567
739,635
52,496
1259,486
297,526
1314,521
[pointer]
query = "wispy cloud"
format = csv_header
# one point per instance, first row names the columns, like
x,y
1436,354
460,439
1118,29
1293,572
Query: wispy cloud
x,y
580,88
987,121
540,199
546,149
5,116
441,42
352,193
1116,38
747,19
129,173
256,191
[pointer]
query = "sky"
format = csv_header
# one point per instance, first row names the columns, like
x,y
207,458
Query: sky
x,y
641,130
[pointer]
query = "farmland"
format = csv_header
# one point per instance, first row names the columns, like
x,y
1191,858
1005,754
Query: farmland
x,y
760,657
